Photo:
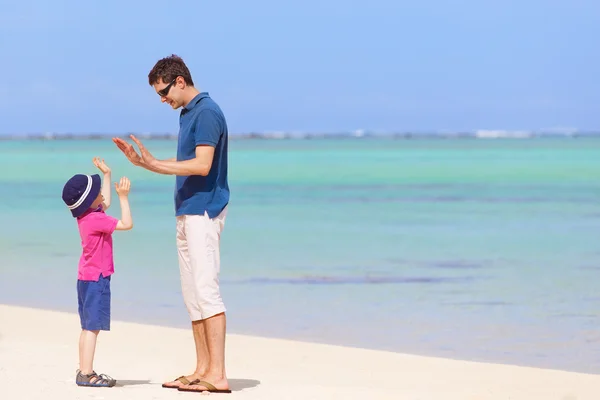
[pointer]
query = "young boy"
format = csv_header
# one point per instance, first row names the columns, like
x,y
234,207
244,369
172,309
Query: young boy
x,y
88,199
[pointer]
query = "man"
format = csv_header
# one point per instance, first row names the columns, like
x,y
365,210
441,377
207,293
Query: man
x,y
201,199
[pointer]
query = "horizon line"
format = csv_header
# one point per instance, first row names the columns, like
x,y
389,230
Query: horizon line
x,y
481,133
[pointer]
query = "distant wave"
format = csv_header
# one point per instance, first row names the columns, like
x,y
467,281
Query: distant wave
x,y
339,280
359,134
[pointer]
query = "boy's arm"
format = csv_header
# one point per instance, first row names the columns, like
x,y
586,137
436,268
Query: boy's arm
x,y
126,222
106,191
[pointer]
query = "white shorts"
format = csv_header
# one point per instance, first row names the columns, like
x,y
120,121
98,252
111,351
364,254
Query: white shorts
x,y
198,239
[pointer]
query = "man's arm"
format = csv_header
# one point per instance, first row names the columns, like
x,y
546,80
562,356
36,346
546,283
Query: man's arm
x,y
133,156
200,165
207,133
153,168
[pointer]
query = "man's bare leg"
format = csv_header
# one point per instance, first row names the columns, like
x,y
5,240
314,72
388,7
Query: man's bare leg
x,y
215,328
202,355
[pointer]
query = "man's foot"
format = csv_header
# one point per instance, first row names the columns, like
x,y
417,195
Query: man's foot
x,y
213,384
181,381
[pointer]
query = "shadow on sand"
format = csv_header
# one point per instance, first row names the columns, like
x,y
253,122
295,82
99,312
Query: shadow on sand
x,y
125,382
234,384
241,384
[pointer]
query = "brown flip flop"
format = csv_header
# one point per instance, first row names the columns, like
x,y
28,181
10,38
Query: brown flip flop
x,y
181,379
209,388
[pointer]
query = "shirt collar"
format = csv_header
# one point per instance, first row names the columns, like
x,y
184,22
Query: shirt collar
x,y
92,210
195,100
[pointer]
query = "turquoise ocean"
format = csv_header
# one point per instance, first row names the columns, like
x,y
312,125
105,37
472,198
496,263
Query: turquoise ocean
x,y
474,249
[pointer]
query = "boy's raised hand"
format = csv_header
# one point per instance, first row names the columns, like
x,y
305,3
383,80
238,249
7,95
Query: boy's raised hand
x,y
123,186
101,165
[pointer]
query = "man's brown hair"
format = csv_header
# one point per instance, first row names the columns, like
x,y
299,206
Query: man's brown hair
x,y
169,68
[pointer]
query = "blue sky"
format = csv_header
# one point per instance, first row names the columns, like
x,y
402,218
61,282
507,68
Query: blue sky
x,y
329,65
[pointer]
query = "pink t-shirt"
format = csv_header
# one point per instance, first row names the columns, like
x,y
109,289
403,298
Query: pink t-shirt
x,y
95,229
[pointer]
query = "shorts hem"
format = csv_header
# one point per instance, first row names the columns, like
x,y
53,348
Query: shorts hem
x,y
95,328
199,316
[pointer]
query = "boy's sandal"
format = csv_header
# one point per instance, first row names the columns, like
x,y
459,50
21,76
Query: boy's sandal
x,y
94,380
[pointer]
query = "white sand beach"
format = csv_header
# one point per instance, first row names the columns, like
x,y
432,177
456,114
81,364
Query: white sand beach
x,y
38,359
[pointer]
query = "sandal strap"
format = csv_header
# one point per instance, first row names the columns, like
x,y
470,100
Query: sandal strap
x,y
87,378
207,385
106,377
183,380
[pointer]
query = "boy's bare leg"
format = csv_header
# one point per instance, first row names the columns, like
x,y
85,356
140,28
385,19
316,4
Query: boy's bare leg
x,y
87,348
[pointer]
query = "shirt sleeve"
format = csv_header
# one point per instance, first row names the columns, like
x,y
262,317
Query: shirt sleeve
x,y
208,128
104,223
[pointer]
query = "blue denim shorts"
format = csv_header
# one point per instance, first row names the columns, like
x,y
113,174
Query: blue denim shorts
x,y
94,304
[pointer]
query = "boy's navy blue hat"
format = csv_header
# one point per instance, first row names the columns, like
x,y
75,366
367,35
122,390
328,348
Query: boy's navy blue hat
x,y
80,192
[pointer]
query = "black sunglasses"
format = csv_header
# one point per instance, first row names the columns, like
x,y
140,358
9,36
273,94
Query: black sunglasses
x,y
165,91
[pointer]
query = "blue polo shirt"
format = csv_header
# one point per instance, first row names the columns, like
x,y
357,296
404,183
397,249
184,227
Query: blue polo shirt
x,y
202,122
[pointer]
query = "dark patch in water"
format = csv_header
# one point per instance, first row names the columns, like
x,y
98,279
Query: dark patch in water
x,y
590,267
479,303
575,315
444,199
457,264
397,260
391,197
456,291
373,187
29,244
339,280
165,305
60,255
443,264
